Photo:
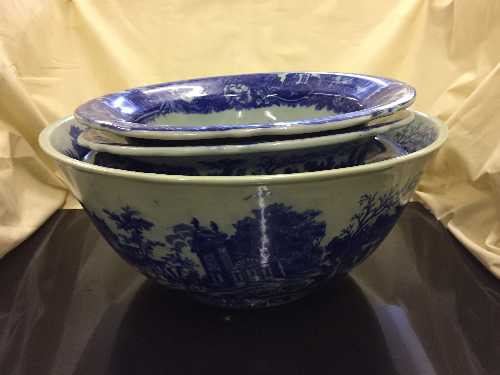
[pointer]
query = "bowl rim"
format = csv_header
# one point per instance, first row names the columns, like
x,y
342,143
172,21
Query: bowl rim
x,y
88,112
47,147
382,125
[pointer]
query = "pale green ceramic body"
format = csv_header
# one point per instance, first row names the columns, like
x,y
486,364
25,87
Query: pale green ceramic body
x,y
167,201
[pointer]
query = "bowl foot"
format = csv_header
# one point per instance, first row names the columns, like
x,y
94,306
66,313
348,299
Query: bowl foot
x,y
262,300
240,303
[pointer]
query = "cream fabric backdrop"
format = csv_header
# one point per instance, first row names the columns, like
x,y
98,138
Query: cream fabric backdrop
x,y
55,54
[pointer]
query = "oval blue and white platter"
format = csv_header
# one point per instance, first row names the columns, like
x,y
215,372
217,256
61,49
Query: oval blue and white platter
x,y
246,105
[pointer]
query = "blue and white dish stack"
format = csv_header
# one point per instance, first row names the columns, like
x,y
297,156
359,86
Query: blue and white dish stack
x,y
250,190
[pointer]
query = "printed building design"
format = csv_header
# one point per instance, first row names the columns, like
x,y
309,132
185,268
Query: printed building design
x,y
291,258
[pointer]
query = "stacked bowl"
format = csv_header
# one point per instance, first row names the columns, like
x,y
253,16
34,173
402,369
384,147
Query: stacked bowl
x,y
250,190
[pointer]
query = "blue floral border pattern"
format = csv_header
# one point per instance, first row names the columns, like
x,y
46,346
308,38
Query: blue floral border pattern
x,y
240,93
243,268
339,156
346,95
410,138
336,156
413,137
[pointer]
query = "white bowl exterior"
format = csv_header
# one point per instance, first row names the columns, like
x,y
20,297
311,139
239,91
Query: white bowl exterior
x,y
167,201
169,204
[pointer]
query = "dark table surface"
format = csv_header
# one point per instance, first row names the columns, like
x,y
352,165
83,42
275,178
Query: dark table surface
x,y
420,305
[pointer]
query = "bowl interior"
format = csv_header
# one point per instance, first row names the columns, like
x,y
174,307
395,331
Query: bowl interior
x,y
344,155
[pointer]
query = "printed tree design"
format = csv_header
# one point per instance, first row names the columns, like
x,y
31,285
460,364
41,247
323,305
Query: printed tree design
x,y
372,207
414,136
226,167
293,238
77,151
131,164
276,164
338,156
131,227
178,267
103,228
193,238
273,243
366,230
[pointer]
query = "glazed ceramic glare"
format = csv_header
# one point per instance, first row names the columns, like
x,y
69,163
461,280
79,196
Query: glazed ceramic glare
x,y
102,141
248,241
246,105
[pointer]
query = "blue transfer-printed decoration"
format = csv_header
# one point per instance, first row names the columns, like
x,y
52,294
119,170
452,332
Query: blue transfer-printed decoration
x,y
413,137
346,95
130,164
76,152
235,269
338,156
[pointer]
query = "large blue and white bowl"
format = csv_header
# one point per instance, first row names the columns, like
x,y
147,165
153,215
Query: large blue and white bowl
x,y
248,241
247,105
